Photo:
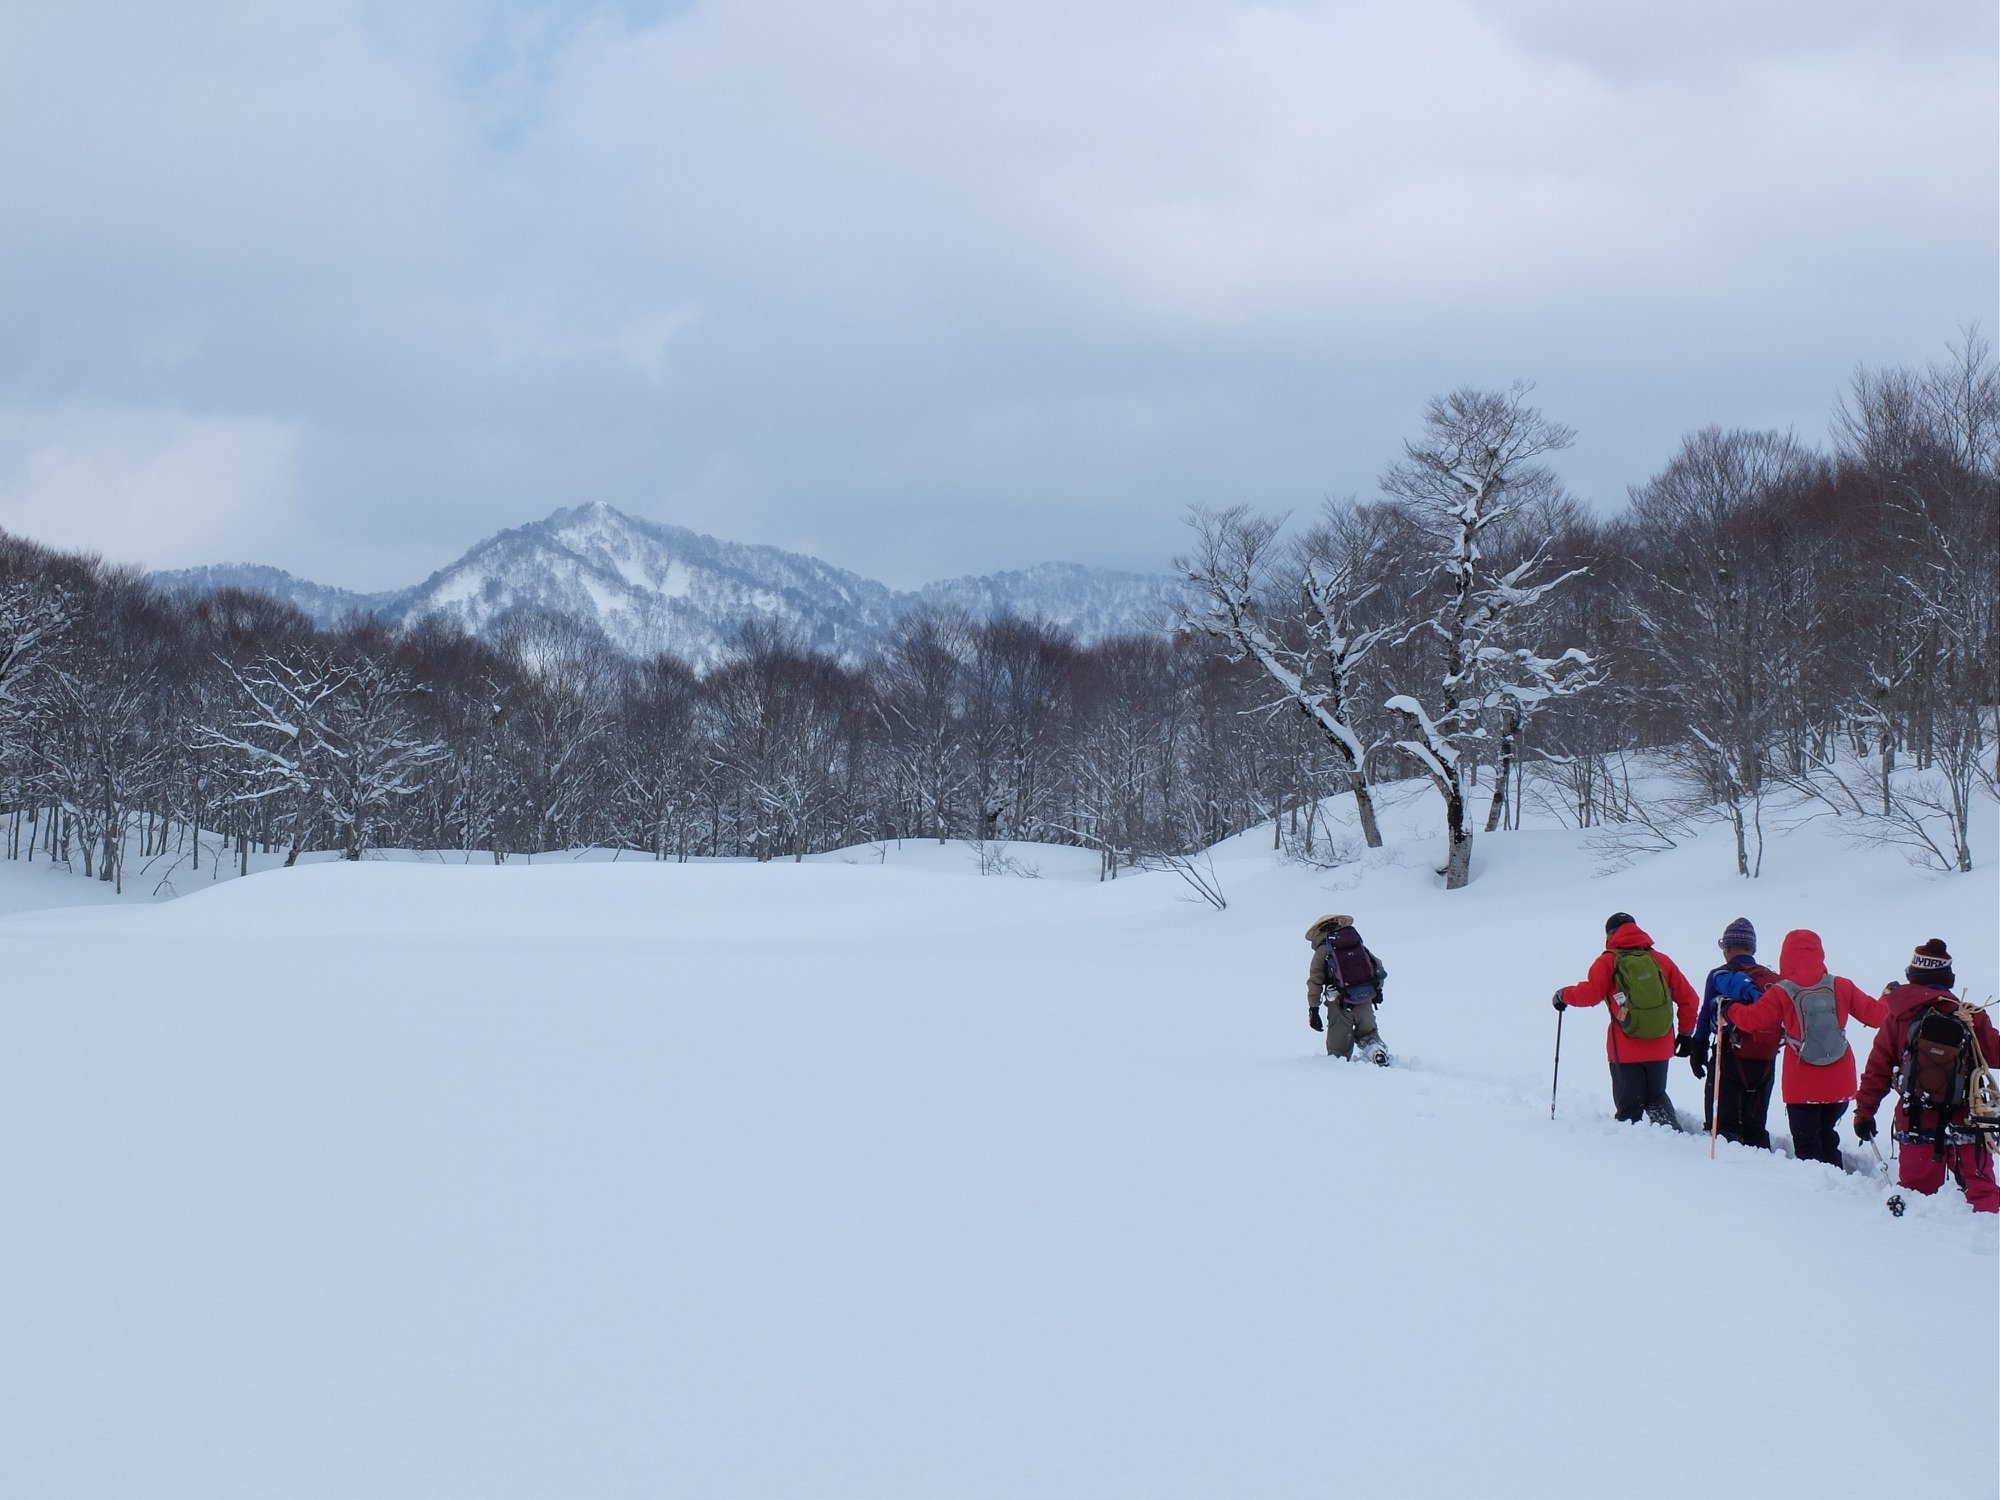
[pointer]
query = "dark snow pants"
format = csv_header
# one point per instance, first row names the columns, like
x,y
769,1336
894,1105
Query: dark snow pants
x,y
1814,1137
1348,1024
1639,1089
1746,1096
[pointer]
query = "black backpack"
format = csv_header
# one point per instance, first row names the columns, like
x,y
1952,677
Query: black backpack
x,y
1935,1074
1351,968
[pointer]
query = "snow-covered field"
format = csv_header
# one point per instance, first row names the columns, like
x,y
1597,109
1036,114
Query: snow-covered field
x,y
872,1177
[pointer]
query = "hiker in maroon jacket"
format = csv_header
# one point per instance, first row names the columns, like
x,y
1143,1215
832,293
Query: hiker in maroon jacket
x,y
1924,1160
1653,1010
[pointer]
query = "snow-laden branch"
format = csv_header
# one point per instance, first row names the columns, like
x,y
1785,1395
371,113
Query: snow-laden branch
x,y
1231,577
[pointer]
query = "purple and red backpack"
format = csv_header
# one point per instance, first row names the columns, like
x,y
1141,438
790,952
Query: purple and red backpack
x,y
1351,967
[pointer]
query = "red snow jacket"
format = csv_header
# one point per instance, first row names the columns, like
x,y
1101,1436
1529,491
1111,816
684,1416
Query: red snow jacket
x,y
1802,960
1903,1002
1602,983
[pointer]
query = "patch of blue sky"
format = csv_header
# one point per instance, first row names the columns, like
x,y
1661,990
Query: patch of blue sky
x,y
508,52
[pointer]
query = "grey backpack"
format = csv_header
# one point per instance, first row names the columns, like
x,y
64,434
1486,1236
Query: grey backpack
x,y
1821,1039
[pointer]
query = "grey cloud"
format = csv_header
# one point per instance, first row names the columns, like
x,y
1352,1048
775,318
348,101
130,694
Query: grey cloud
x,y
929,289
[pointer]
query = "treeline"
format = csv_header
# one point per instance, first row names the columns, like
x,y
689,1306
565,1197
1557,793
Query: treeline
x,y
134,723
1769,620
1765,618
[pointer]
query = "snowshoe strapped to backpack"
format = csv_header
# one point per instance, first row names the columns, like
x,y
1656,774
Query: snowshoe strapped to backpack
x,y
1821,1039
1648,1010
1351,968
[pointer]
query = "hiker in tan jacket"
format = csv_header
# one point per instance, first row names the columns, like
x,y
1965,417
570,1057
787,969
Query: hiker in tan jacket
x,y
1350,978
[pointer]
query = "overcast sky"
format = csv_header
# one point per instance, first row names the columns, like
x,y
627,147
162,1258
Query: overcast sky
x,y
933,288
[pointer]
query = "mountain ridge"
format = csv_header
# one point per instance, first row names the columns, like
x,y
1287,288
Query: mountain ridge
x,y
654,586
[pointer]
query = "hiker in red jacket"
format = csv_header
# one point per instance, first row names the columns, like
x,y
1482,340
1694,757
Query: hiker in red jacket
x,y
1653,1010
1809,1009
1925,1159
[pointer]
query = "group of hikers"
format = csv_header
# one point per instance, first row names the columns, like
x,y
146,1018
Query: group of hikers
x,y
1931,1050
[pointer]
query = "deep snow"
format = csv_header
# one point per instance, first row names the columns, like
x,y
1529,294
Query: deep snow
x,y
872,1177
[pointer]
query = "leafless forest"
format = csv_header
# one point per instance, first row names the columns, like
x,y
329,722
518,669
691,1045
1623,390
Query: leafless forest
x,y
1768,628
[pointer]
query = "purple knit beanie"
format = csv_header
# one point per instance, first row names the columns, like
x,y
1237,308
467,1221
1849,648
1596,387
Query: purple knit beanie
x,y
1739,934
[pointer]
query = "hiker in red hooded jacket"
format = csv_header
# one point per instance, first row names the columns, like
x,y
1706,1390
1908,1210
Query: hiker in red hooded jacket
x,y
1642,1038
1924,1159
1809,1009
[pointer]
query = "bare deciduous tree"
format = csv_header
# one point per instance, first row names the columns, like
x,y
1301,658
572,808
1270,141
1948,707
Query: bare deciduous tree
x,y
1239,574
1462,483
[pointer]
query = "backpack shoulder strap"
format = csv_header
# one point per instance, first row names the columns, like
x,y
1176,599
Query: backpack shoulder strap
x,y
1792,992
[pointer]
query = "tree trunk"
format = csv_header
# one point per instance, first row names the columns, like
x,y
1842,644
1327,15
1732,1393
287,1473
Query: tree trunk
x,y
1503,770
1498,805
1458,832
1364,807
1357,782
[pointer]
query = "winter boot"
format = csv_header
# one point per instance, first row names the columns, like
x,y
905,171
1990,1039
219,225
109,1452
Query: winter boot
x,y
1662,1113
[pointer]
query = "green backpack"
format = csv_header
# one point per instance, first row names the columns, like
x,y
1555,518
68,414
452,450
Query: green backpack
x,y
1649,1009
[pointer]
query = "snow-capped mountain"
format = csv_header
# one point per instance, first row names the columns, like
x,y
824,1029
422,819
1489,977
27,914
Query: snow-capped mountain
x,y
652,587
655,587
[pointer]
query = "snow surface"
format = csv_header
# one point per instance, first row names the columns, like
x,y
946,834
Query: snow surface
x,y
860,1177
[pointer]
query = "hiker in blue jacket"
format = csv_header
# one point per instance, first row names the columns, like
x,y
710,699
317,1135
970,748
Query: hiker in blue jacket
x,y
1737,1075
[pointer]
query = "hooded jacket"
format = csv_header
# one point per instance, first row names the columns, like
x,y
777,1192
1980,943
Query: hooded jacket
x,y
1602,983
1903,1002
1320,975
1802,960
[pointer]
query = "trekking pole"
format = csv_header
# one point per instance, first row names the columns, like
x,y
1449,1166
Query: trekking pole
x,y
1559,1065
1880,1160
1714,1091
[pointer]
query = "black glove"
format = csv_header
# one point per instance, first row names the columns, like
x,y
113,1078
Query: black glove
x,y
1864,1127
1698,1062
1560,1003
1684,1044
1313,1020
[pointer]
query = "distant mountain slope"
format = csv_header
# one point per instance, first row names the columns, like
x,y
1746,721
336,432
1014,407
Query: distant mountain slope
x,y
652,587
320,602
655,587
1092,602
